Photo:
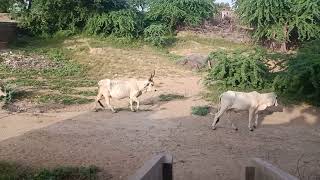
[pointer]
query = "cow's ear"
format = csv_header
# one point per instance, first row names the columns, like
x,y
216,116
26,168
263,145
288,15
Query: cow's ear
x,y
262,107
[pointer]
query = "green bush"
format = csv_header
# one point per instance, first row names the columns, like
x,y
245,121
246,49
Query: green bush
x,y
243,70
47,16
157,34
126,23
200,110
180,12
17,171
301,79
5,5
123,23
170,97
11,94
99,24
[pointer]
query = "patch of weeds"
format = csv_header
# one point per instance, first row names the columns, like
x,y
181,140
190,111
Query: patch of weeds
x,y
200,110
16,171
63,99
116,42
73,83
27,82
170,97
214,42
11,94
68,173
87,93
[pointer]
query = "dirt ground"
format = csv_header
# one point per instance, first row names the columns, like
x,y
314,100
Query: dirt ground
x,y
119,143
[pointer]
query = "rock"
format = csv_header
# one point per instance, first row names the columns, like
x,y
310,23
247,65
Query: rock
x,y
194,61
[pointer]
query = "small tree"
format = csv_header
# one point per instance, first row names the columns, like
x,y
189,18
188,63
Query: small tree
x,y
281,20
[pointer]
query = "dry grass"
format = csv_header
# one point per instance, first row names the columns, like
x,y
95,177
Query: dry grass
x,y
105,61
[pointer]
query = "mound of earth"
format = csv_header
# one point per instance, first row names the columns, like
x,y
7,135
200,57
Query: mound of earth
x,y
194,61
26,61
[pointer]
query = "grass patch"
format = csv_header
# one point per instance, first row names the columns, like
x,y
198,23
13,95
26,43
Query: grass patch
x,y
63,78
87,93
63,99
170,97
200,110
10,171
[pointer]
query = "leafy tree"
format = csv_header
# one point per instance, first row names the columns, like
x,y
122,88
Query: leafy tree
x,y
301,79
180,12
280,20
239,69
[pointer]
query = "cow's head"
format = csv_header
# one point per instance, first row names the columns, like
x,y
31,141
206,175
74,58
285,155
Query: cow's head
x,y
269,99
150,83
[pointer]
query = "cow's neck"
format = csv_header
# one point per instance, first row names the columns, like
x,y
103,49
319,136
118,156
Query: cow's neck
x,y
141,85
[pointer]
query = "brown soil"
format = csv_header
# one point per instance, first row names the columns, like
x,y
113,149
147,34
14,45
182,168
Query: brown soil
x,y
120,143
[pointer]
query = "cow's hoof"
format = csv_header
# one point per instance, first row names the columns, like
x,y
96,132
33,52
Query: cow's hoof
x,y
251,129
236,129
114,111
213,128
254,126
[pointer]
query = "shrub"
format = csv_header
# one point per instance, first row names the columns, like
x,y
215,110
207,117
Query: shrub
x,y
238,69
301,79
47,17
126,23
170,97
180,12
99,24
11,94
5,5
200,110
157,34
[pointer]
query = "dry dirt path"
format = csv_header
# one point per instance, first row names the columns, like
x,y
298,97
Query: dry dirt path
x,y
120,143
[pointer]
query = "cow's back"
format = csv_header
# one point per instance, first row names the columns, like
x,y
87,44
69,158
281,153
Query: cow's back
x,y
239,100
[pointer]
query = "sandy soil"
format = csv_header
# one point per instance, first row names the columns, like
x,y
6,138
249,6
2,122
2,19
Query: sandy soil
x,y
120,143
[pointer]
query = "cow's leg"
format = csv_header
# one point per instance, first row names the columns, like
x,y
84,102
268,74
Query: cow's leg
x,y
97,101
251,115
217,117
256,121
107,99
131,102
137,101
232,124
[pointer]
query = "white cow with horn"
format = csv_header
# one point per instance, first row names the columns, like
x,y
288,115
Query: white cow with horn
x,y
252,101
120,89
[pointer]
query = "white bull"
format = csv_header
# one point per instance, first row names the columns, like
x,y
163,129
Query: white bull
x,y
120,89
252,101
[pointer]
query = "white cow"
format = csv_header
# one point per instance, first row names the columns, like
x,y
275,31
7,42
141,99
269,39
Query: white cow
x,y
252,101
120,89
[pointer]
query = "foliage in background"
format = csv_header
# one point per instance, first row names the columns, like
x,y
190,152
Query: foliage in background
x,y
200,110
157,34
121,18
5,5
301,79
238,69
180,12
127,23
281,20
